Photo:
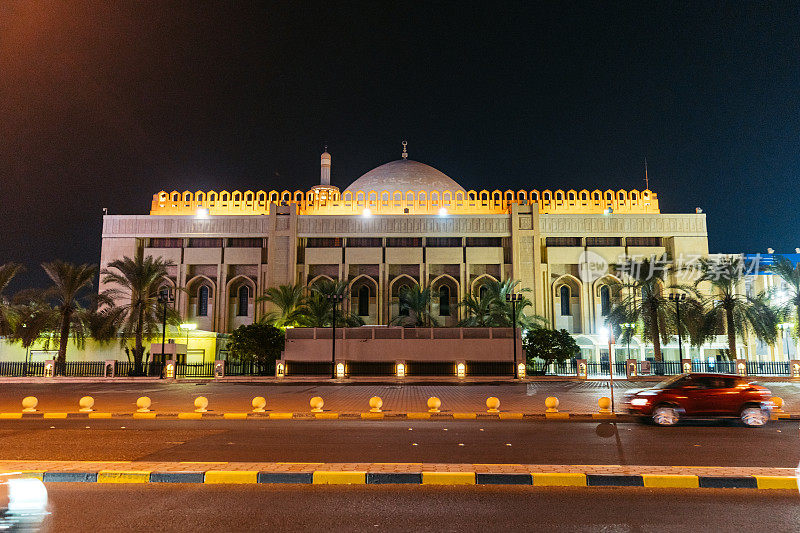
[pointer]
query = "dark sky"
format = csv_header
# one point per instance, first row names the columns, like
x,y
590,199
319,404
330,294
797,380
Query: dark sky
x,y
103,104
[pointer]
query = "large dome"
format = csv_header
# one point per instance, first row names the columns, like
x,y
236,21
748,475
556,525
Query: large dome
x,y
404,175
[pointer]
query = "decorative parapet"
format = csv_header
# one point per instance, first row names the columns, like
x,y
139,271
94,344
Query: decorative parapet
x,y
398,203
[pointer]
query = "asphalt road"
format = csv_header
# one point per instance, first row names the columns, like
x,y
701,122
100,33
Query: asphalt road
x,y
92,507
544,442
236,397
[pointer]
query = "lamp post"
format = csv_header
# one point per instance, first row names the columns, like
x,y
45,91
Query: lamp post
x,y
513,298
165,297
785,327
609,334
334,299
678,298
191,327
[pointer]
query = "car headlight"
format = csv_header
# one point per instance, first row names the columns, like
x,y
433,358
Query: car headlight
x,y
639,401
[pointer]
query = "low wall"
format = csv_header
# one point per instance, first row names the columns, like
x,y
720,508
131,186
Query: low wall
x,y
389,344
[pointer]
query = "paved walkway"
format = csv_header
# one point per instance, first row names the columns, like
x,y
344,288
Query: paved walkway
x,y
576,397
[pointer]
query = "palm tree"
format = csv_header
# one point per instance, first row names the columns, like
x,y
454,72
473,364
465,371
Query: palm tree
x,y
739,314
492,309
70,285
642,302
789,299
32,319
317,310
288,299
415,307
7,273
137,312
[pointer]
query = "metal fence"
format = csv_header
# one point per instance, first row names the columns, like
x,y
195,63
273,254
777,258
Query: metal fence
x,y
194,370
21,369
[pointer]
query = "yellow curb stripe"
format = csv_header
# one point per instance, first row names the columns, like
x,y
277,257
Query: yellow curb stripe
x,y
54,415
372,416
29,474
281,416
231,476
326,416
10,415
671,481
559,479
235,416
448,478
190,416
144,415
776,482
510,416
99,415
603,415
465,416
123,476
325,477
557,416
418,416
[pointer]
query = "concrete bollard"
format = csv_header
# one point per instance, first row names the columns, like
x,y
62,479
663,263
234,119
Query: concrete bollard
x,y
316,404
604,404
259,403
29,404
143,404
375,404
200,404
778,402
551,402
86,403
492,404
434,404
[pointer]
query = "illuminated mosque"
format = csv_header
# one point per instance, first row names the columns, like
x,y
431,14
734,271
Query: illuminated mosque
x,y
401,224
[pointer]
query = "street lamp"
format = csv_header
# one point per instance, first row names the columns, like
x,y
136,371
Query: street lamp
x,y
514,298
190,327
608,335
165,297
678,298
334,299
785,327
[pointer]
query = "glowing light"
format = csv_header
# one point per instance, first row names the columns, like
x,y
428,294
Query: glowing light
x,y
339,370
521,370
280,370
202,212
189,326
461,370
367,213
400,370
443,212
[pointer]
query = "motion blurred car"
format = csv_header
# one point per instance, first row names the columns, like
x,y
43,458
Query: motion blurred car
x,y
702,396
23,503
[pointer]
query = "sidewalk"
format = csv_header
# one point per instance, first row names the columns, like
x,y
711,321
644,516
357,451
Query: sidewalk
x,y
407,473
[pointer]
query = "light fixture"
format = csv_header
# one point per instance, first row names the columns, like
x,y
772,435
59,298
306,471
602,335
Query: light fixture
x,y
367,212
461,370
280,370
340,370
442,211
202,212
521,371
400,370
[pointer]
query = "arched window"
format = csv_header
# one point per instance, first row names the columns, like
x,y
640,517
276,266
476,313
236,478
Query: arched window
x,y
483,292
244,300
565,297
363,301
605,300
444,300
202,300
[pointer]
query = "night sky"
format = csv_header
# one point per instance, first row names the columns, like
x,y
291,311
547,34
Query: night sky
x,y
103,104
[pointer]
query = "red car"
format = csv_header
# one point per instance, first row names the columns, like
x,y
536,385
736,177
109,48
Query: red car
x,y
703,396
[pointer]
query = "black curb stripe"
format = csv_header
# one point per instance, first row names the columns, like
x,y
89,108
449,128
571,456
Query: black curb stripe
x,y
70,477
721,482
503,479
610,480
382,478
285,477
177,477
